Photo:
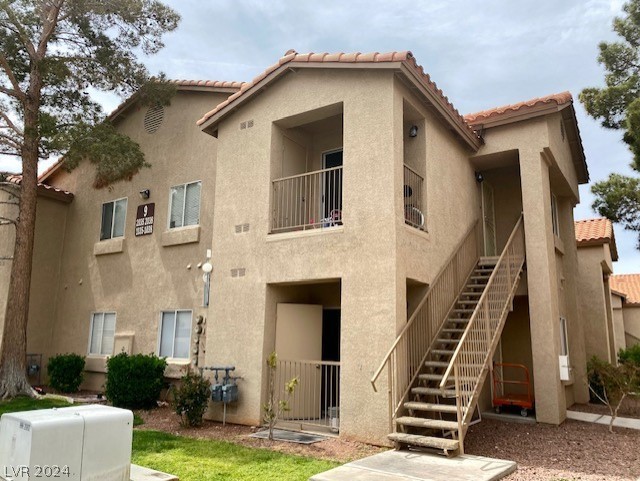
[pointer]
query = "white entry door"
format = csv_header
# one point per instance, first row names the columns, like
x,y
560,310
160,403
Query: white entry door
x,y
489,220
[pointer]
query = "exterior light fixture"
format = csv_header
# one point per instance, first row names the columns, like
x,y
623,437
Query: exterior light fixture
x,y
413,131
479,177
207,267
145,194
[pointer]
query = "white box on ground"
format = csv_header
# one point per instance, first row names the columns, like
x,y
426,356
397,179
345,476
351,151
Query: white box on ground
x,y
83,443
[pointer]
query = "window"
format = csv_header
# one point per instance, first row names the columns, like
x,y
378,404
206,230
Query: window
x,y
175,334
554,215
103,329
564,339
184,206
113,217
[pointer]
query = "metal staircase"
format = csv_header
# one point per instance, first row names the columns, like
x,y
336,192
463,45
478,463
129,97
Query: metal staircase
x,y
431,403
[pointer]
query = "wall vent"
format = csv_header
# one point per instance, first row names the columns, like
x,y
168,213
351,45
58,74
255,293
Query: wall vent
x,y
238,228
243,125
153,119
240,272
245,227
249,124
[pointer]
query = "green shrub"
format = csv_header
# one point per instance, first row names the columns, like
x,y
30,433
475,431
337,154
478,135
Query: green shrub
x,y
66,372
630,355
135,382
190,399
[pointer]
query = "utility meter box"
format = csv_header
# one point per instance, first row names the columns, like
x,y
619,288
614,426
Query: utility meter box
x,y
83,443
229,393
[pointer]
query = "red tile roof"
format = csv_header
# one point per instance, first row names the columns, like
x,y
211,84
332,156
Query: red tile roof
x,y
629,285
292,58
44,189
595,232
506,110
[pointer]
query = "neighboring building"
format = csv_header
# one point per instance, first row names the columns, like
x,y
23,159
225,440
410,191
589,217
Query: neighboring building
x,y
604,332
628,287
351,212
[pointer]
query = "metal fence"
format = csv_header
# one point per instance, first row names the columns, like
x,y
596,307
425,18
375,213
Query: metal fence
x,y
414,208
307,201
316,399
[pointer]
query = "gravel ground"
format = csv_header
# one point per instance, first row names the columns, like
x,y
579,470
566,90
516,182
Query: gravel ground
x,y
572,451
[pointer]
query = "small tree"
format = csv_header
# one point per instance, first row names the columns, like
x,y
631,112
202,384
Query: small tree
x,y
275,407
614,383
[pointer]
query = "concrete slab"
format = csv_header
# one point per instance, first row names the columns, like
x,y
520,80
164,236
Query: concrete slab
x,y
290,436
510,418
140,473
412,466
619,422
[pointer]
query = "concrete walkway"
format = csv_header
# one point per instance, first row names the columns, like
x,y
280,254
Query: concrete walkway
x,y
139,473
412,466
619,422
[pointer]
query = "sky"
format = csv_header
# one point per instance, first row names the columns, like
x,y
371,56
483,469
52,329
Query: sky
x,y
481,54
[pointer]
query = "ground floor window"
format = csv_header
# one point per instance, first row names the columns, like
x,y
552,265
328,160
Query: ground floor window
x,y
175,334
103,329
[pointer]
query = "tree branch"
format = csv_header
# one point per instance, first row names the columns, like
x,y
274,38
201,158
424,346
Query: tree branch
x,y
6,258
11,93
7,220
51,22
8,202
10,123
12,78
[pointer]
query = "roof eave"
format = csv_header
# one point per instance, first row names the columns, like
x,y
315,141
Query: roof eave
x,y
210,125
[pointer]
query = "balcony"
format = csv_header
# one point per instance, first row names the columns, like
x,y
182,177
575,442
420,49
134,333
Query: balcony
x,y
413,199
312,200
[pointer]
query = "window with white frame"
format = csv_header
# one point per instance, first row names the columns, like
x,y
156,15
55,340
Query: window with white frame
x,y
175,334
564,339
184,206
555,225
103,329
114,214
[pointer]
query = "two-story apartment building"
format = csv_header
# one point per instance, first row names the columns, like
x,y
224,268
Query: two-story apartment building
x,y
386,247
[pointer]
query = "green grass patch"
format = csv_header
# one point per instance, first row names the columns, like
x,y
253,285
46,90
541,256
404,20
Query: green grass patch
x,y
212,460
29,404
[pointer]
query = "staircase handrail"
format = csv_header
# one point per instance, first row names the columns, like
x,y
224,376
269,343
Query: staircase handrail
x,y
482,301
453,274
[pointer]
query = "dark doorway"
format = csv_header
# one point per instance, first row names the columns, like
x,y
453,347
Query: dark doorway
x,y
330,352
332,197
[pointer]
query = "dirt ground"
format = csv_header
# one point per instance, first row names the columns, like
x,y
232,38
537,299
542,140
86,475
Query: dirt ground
x,y
630,408
572,451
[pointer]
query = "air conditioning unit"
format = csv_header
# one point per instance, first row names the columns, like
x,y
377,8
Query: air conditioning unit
x,y
565,369
83,443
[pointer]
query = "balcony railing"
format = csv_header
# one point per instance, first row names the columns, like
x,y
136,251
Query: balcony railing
x,y
316,399
312,200
414,212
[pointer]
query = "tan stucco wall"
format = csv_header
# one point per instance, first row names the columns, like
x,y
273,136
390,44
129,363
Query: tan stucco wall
x,y
7,242
146,277
618,322
593,303
631,314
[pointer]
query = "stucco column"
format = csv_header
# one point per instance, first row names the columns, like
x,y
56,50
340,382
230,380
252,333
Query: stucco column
x,y
543,289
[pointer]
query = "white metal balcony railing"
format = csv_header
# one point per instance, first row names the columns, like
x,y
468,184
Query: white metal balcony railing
x,y
413,198
316,399
307,201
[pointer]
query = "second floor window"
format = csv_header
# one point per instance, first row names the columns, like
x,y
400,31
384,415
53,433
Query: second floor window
x,y
184,206
103,329
113,218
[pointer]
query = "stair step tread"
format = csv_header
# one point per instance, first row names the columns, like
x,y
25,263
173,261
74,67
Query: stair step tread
x,y
427,423
430,377
436,364
454,319
424,441
442,408
452,330
471,293
433,391
462,310
443,340
442,352
486,278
